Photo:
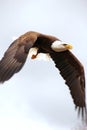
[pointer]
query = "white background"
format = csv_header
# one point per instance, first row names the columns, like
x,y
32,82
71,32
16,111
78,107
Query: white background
x,y
37,97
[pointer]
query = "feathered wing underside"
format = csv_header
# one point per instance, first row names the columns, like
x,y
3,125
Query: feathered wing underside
x,y
73,73
13,60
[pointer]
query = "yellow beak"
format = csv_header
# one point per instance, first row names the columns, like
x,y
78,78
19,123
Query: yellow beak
x,y
69,46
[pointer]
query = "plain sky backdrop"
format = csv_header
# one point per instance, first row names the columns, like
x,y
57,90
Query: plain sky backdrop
x,y
37,97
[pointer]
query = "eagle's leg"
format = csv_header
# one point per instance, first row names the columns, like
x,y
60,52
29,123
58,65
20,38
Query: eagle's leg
x,y
33,52
36,51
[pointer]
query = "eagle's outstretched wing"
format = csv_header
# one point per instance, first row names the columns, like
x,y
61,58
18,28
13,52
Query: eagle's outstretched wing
x,y
73,73
15,57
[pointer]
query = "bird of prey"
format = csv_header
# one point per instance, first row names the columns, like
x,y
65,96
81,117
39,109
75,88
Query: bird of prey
x,y
69,66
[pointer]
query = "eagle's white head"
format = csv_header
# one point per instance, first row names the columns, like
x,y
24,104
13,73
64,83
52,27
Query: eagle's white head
x,y
59,46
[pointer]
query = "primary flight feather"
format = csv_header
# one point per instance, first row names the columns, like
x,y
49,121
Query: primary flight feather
x,y
69,66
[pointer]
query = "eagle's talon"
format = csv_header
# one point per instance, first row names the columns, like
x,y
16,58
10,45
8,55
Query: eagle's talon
x,y
33,56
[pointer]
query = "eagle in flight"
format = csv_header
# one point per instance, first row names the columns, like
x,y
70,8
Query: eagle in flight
x,y
69,66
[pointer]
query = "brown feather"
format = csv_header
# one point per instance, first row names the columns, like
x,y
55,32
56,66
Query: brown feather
x,y
15,57
72,71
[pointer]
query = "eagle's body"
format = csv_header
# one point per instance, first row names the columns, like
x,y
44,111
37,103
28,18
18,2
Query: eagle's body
x,y
69,66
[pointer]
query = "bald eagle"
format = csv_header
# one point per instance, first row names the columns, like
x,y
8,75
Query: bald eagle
x,y
69,66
